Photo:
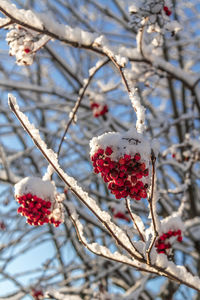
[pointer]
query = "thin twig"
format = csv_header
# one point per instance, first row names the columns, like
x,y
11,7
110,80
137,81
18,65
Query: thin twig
x,y
6,24
150,200
78,102
141,35
133,219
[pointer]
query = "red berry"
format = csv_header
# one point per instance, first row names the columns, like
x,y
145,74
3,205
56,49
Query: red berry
x,y
19,210
121,161
108,151
114,174
137,157
27,50
179,239
133,179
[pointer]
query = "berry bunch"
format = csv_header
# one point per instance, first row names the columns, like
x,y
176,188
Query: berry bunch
x,y
36,210
21,43
37,294
99,109
167,11
164,242
123,176
39,201
121,215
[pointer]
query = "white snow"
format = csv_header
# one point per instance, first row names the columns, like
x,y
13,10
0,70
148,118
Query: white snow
x,y
35,186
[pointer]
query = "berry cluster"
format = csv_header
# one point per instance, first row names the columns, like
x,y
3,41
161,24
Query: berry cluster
x,y
21,43
123,176
163,243
167,11
36,210
98,109
121,215
37,294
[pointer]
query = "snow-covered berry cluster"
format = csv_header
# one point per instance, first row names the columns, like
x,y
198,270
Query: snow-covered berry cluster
x,y
122,175
99,109
165,241
123,162
37,294
21,43
153,11
39,201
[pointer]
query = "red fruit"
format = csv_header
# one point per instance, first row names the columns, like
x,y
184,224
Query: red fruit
x,y
106,170
100,162
100,169
139,175
170,233
142,194
179,239
119,181
123,168
167,11
134,190
96,170
137,157
114,174
48,204
100,151
19,210
124,194
27,50
122,216
31,205
29,196
140,185
142,167
127,183
121,161
121,174
107,160
127,157
134,179
108,151
93,105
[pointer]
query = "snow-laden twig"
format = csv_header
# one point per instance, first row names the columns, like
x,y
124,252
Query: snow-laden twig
x,y
152,209
136,220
